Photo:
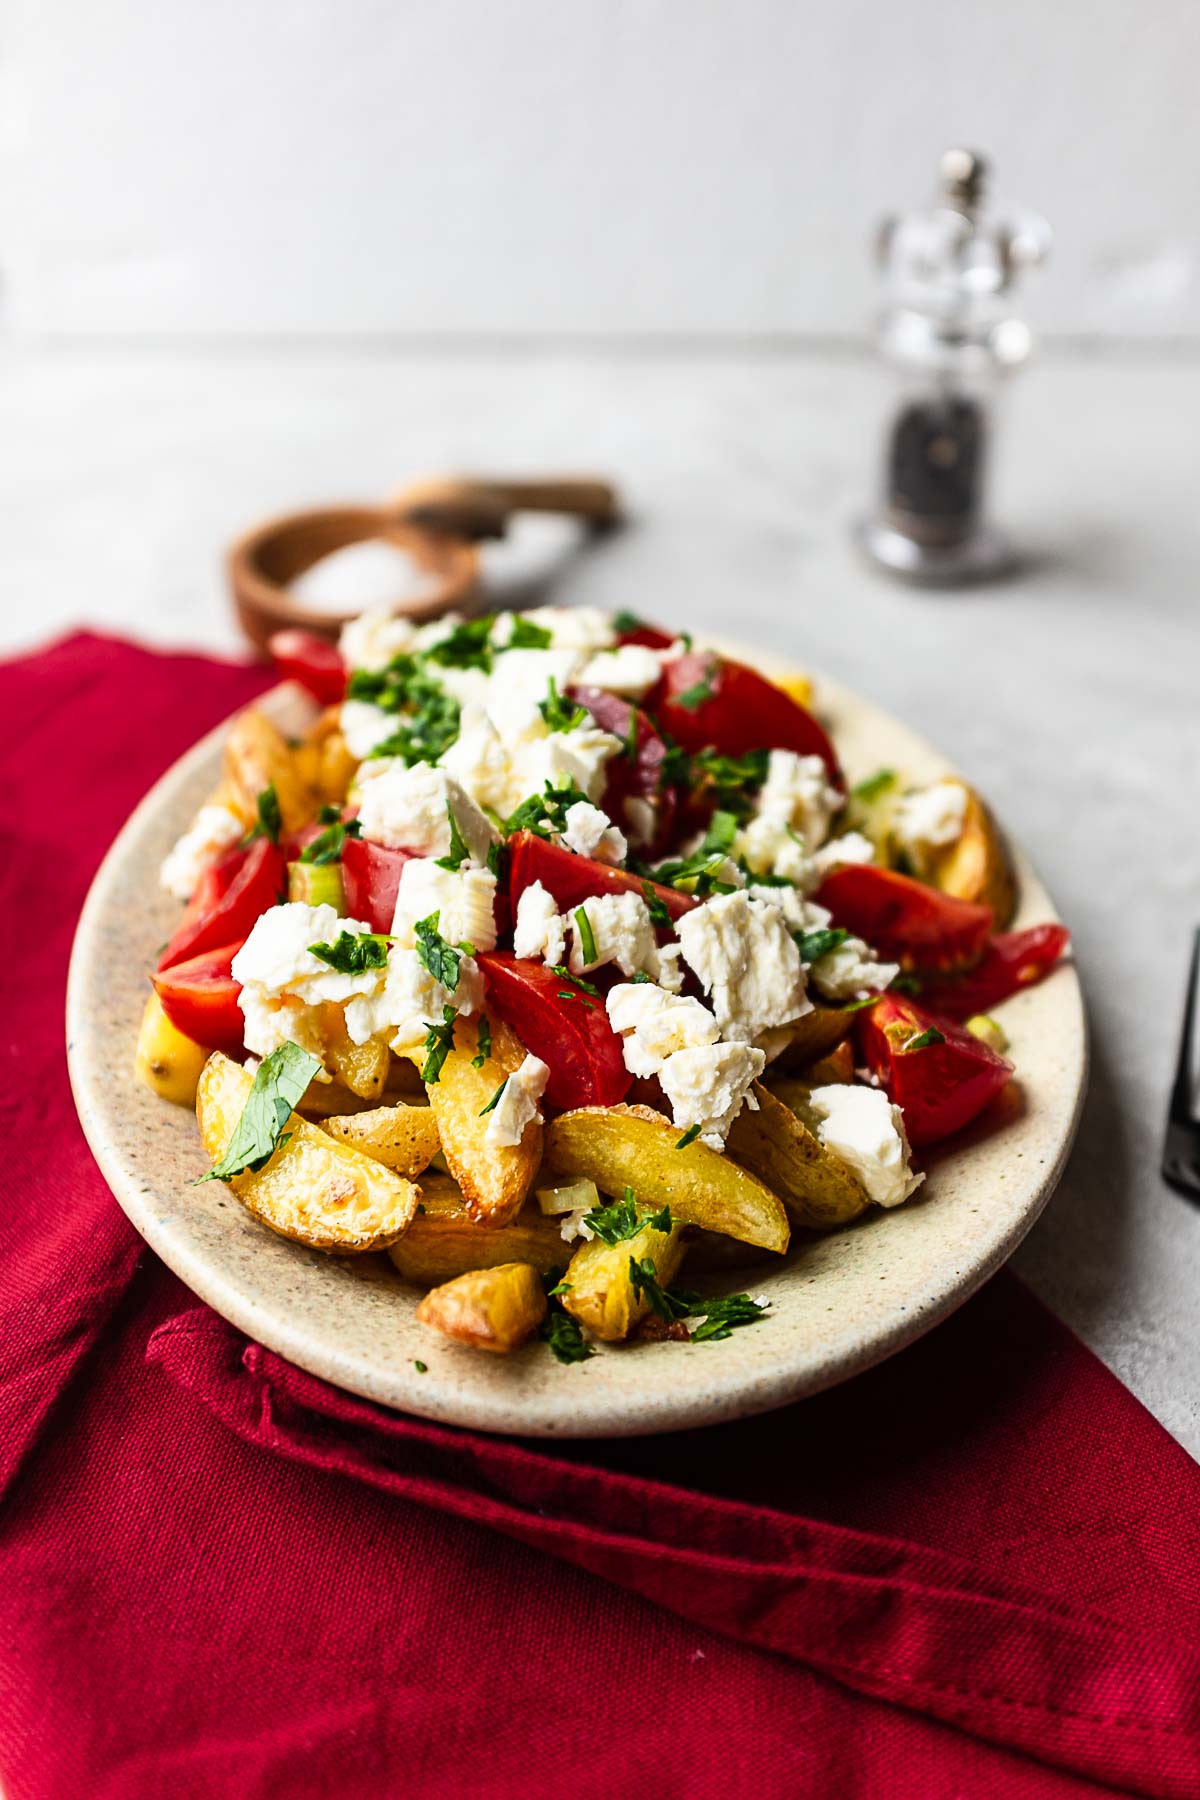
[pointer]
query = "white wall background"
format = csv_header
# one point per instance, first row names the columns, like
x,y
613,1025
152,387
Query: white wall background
x,y
574,166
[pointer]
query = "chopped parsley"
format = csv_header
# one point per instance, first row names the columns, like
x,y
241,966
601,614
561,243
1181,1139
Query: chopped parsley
x,y
923,1039
327,847
439,1041
730,779
815,944
430,715
667,1305
485,1044
560,714
615,1223
558,1328
588,987
874,785
624,622
545,814
439,957
630,748
458,852
693,698
420,1367
468,646
278,1086
270,820
528,636
495,1099
656,906
353,953
700,872
640,975
587,938
675,769
722,1316
689,1137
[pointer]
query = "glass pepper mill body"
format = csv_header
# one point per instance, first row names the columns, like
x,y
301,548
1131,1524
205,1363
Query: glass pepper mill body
x,y
950,332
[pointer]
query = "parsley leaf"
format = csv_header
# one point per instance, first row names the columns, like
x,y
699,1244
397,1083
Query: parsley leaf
x,y
614,1223
923,1039
874,785
640,975
723,1315
718,839
815,944
327,847
587,938
644,1278
420,1367
624,622
439,1041
545,813
656,906
562,1333
431,719
528,636
693,698
560,714
485,1043
270,819
730,779
353,953
689,1137
588,987
436,954
495,1099
468,646
279,1085
458,852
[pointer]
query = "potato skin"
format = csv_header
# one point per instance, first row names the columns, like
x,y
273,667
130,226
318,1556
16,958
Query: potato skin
x,y
494,1178
167,1062
491,1309
257,756
402,1138
976,866
773,1143
598,1290
816,1034
631,1146
317,1192
444,1240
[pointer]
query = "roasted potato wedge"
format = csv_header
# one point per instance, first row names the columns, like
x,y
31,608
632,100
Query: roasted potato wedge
x,y
976,866
402,1138
816,1034
631,1146
597,1289
490,1309
777,1146
313,1190
494,1178
167,1062
331,1099
257,756
444,1240
363,1068
837,1066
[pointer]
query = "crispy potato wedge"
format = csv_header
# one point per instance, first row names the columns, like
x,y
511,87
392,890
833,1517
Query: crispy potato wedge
x,y
444,1240
490,1309
631,1146
331,1099
315,1191
402,1138
976,866
494,1178
257,756
777,1146
837,1066
597,1287
167,1062
363,1068
816,1034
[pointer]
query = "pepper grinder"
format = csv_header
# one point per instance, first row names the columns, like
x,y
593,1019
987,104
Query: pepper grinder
x,y
950,331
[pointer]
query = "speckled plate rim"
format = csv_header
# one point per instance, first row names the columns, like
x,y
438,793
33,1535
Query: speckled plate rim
x,y
840,1303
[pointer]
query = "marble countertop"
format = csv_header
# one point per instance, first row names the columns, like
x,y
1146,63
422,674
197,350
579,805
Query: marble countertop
x,y
1070,694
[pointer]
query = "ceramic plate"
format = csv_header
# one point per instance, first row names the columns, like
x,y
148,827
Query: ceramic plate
x,y
839,1304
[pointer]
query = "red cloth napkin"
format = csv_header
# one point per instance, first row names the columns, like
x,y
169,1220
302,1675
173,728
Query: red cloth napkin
x,y
970,1572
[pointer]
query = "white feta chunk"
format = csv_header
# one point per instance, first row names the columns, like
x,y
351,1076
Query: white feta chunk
x,y
463,899
641,819
708,1085
929,819
798,792
801,914
213,831
851,971
863,1128
517,1106
410,808
580,756
589,832
365,726
851,847
747,962
538,930
414,1000
770,846
284,983
631,670
621,933
653,1024
574,627
373,639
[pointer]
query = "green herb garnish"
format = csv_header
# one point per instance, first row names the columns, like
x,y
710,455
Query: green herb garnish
x,y
666,1304
689,1137
545,814
458,852
560,714
279,1084
439,957
270,820
353,953
730,779
468,646
640,975
327,847
656,906
439,1041
587,939
722,1316
923,1039
528,636
693,698
624,622
485,1043
495,1099
562,970
613,1224
815,944
420,1367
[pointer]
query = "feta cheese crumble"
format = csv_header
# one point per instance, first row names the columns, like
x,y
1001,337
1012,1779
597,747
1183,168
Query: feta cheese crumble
x,y
517,1106
621,932
631,670
284,984
653,1024
213,831
930,818
463,899
798,792
708,1085
862,1127
409,809
747,962
373,639
538,930
590,832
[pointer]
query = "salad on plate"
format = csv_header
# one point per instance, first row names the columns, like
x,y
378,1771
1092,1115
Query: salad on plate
x,y
558,960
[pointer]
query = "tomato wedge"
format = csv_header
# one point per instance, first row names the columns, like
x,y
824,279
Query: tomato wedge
x,y
940,1086
652,637
371,880
1013,960
312,661
707,701
232,894
638,777
200,997
571,1035
572,879
905,920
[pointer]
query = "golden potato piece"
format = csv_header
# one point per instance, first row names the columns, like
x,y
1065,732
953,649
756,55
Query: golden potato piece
x,y
363,1068
494,1178
333,1099
631,1146
444,1240
598,1289
777,1146
258,756
976,866
816,1034
838,1066
402,1138
490,1309
313,1190
168,1063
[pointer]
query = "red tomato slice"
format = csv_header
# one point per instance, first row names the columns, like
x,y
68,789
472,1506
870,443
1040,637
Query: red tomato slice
x,y
706,701
639,777
1013,960
573,879
652,637
231,895
940,1087
905,920
312,661
200,997
572,1036
371,881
